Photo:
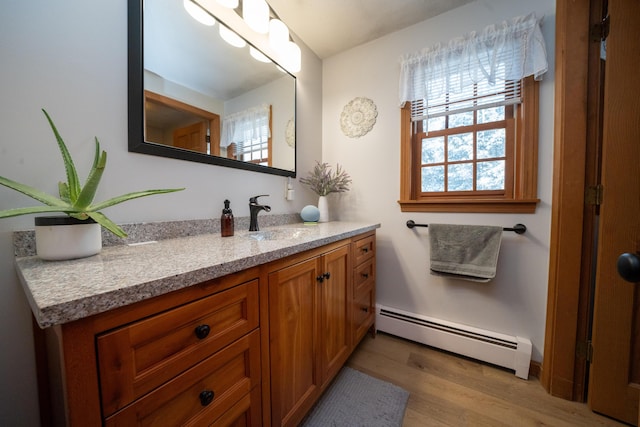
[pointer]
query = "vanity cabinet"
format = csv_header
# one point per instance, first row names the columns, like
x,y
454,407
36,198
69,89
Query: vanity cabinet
x,y
309,308
253,348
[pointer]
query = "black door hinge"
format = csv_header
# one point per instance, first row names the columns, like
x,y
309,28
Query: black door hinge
x,y
600,31
584,350
593,195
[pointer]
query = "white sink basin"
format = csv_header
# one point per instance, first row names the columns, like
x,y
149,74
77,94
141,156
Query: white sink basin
x,y
279,234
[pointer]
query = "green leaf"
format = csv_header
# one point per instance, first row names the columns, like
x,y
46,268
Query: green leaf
x,y
34,210
101,219
130,196
79,215
63,190
34,193
93,180
72,174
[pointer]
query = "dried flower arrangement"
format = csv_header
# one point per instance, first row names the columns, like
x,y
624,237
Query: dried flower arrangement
x,y
323,181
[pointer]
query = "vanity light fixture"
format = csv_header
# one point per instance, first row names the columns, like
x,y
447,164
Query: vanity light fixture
x,y
293,57
231,37
260,18
198,13
278,35
256,14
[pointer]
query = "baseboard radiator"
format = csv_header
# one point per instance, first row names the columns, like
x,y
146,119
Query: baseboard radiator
x,y
499,349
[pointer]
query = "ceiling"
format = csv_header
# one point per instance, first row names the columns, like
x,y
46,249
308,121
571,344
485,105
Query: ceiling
x,y
329,27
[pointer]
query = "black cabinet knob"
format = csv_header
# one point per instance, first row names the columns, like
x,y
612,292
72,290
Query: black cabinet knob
x,y
206,397
629,267
365,275
320,278
202,331
365,309
327,275
365,250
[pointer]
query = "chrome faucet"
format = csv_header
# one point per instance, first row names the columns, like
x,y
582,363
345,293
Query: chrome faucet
x,y
254,209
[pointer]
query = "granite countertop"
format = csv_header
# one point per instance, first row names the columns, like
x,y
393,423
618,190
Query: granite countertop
x,y
63,291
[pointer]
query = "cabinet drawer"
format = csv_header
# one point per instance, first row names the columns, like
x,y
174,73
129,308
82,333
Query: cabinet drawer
x,y
363,313
139,357
364,275
246,413
364,249
203,393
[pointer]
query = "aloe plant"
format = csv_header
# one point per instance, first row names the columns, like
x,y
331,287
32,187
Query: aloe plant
x,y
76,200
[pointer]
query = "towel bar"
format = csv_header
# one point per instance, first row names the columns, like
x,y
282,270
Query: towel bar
x,y
518,228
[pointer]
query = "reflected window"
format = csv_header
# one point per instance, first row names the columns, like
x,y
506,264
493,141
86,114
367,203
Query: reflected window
x,y
246,135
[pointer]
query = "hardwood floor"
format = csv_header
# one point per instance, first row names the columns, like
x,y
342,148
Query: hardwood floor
x,y
448,390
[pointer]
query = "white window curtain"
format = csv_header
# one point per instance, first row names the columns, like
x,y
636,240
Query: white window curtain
x,y
491,60
248,125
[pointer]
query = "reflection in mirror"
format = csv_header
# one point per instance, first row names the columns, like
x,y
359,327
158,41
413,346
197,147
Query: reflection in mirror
x,y
194,96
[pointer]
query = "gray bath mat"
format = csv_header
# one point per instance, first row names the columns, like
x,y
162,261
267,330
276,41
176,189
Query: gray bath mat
x,y
356,399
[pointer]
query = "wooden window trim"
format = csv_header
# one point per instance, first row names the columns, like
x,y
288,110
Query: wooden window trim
x,y
525,162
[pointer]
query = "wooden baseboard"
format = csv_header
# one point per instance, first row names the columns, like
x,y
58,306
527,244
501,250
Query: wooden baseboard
x,y
535,368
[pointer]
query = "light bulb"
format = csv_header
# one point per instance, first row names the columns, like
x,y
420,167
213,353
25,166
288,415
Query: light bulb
x,y
293,58
258,55
231,4
198,13
230,37
278,35
256,14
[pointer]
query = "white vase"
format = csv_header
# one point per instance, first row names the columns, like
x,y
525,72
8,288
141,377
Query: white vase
x,y
323,207
61,237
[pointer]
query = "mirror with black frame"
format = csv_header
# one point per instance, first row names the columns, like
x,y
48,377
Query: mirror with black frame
x,y
194,96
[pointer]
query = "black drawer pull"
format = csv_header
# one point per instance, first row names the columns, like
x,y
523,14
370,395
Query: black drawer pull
x,y
365,275
365,250
206,397
202,331
365,309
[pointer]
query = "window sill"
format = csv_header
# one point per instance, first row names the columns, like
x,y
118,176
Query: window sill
x,y
470,205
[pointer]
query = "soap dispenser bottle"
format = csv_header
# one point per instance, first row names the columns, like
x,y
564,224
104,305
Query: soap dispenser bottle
x,y
226,221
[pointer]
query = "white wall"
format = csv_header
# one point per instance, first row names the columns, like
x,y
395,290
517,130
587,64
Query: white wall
x,y
70,57
513,303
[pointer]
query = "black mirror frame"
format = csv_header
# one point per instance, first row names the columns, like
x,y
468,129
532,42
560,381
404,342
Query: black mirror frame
x,y
137,144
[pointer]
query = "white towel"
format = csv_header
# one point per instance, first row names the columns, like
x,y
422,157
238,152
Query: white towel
x,y
468,252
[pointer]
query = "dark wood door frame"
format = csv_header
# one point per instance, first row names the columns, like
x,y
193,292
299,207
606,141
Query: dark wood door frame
x,y
576,167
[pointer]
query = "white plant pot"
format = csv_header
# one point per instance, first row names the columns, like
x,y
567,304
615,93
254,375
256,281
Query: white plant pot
x,y
323,207
62,237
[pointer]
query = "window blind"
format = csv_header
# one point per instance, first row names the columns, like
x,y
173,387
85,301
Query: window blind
x,y
474,71
481,95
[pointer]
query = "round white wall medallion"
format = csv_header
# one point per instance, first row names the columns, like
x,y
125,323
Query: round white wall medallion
x,y
290,133
358,117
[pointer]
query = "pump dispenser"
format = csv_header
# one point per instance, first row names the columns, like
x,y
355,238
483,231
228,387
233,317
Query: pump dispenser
x,y
226,221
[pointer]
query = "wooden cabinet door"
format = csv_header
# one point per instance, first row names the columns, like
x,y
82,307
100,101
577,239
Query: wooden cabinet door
x,y
335,307
293,320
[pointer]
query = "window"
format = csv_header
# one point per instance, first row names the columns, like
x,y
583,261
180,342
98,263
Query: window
x,y
246,135
469,127
254,147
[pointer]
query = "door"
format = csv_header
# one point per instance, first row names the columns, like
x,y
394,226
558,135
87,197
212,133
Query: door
x,y
335,311
293,314
192,137
615,371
